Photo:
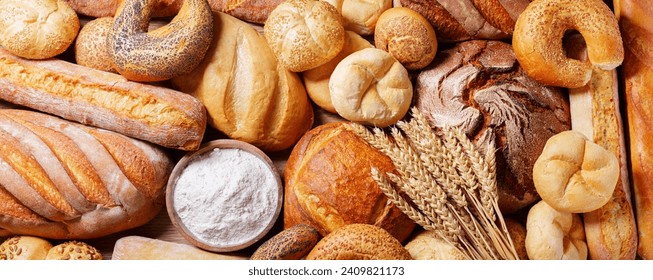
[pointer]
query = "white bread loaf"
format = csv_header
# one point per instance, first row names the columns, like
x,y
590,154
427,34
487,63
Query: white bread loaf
x,y
63,180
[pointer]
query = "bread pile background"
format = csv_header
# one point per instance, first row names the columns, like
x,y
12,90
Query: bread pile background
x,y
102,99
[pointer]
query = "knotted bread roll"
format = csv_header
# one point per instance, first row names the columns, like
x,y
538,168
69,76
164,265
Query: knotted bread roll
x,y
554,235
371,87
37,29
304,34
575,175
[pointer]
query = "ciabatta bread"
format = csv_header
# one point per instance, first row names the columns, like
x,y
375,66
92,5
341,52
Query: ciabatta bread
x,y
63,180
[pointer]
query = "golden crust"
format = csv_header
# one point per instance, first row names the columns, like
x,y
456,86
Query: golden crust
x,y
359,242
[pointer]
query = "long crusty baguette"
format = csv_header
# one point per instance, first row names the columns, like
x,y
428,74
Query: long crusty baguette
x,y
636,22
159,115
143,248
611,231
64,180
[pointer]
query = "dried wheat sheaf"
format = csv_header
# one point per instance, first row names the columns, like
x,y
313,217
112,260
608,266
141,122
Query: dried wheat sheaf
x,y
449,186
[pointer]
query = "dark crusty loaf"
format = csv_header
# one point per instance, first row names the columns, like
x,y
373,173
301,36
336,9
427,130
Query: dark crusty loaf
x,y
479,86
63,180
159,115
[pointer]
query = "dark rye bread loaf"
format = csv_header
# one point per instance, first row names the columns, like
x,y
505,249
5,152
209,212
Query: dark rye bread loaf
x,y
459,20
479,86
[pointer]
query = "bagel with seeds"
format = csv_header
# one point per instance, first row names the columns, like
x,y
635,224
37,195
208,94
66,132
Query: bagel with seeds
x,y
172,50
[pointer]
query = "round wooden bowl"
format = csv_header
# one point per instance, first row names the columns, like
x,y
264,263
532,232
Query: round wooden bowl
x,y
205,148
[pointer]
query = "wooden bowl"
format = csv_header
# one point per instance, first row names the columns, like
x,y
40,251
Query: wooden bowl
x,y
207,148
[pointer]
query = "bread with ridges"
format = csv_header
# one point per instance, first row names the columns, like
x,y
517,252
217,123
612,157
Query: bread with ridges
x,y
63,180
156,114
635,21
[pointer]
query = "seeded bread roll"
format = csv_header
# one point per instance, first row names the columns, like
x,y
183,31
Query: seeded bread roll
x,y
293,243
91,45
37,29
479,86
24,248
63,180
460,20
316,80
304,34
359,242
73,250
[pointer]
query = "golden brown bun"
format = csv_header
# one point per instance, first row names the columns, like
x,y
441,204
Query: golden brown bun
x,y
24,248
538,44
359,242
371,87
169,51
328,184
407,36
73,250
460,20
575,175
292,243
360,16
247,95
159,115
91,45
304,34
427,245
143,248
637,74
37,29
316,80
554,235
595,111
63,180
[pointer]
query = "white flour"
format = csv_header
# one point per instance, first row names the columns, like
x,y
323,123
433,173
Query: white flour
x,y
226,197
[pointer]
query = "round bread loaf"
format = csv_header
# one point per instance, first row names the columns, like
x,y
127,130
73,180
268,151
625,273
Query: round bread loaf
x,y
316,80
328,184
304,34
371,87
24,248
73,250
359,242
427,245
37,29
91,45
361,16
407,36
479,87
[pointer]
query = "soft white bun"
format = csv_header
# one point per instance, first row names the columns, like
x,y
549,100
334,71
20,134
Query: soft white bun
x,y
554,235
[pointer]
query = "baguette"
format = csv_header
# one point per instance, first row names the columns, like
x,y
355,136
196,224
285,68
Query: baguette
x,y
63,180
611,231
636,23
159,115
143,248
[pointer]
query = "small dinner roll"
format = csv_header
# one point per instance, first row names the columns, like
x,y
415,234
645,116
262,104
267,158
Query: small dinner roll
x,y
427,245
316,80
73,250
361,16
371,87
575,175
37,29
24,248
537,40
554,235
407,36
91,45
304,34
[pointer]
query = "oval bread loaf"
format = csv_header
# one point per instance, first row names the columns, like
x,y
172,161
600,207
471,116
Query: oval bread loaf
x,y
290,244
359,242
63,180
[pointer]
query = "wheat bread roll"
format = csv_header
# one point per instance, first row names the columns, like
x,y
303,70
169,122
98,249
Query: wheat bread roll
x,y
248,96
460,20
293,243
144,248
637,77
63,180
304,34
37,29
596,113
479,87
24,248
328,184
159,115
316,80
73,250
359,242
